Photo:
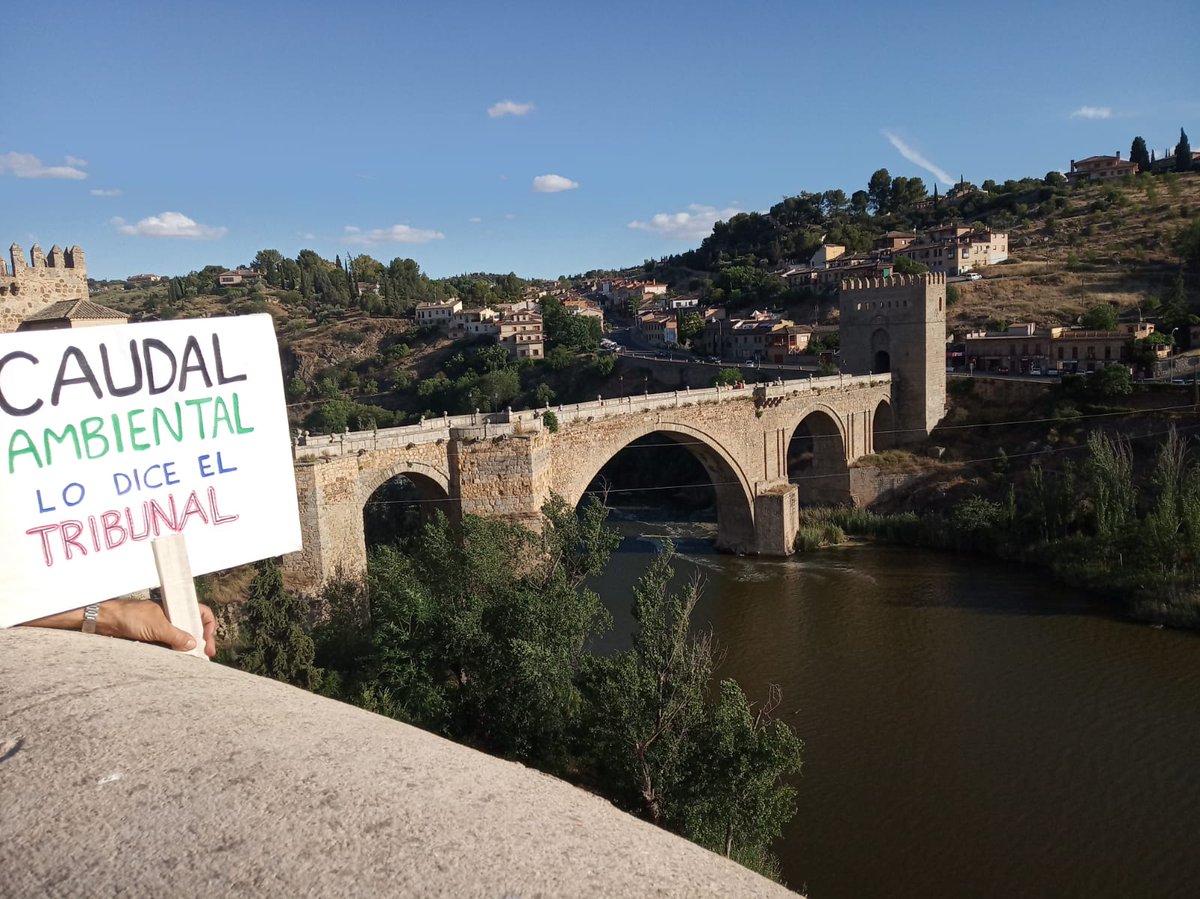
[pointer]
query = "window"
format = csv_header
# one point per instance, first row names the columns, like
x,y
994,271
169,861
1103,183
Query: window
x,y
1074,352
1108,352
1060,353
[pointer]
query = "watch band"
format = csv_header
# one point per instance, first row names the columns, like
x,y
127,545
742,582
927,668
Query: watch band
x,y
90,615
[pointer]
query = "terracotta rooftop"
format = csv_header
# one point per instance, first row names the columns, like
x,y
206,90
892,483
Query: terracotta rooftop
x,y
73,310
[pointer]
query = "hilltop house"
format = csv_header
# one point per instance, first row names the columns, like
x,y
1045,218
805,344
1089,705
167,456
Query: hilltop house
x,y
1099,168
237,276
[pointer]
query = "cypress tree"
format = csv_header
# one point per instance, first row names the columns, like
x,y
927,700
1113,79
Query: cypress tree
x,y
275,629
1183,153
1139,154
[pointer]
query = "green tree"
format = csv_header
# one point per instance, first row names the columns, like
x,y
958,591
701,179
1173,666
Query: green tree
x,y
710,770
1100,317
737,800
1110,473
691,326
646,702
1187,242
879,190
274,631
1110,382
904,265
269,264
1183,153
479,632
1139,154
727,377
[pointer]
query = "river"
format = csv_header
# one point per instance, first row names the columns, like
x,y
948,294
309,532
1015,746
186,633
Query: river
x,y
970,728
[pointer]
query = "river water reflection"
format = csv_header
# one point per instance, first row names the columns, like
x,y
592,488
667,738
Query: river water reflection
x,y
970,729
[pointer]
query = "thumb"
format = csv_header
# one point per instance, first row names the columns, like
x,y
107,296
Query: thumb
x,y
178,639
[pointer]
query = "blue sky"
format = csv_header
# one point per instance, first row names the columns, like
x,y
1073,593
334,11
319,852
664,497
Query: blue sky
x,y
165,136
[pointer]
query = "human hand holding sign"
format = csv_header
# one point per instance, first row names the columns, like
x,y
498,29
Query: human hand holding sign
x,y
136,619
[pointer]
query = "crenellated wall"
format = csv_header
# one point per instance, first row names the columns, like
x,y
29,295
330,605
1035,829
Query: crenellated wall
x,y
26,288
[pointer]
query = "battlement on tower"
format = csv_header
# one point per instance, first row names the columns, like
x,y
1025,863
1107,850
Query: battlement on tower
x,y
932,278
29,287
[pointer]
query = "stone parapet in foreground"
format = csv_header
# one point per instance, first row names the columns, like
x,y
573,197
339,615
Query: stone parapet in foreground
x,y
128,769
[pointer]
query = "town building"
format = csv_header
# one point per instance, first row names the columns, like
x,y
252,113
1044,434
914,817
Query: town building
x,y
657,329
522,335
143,280
957,249
437,314
583,307
474,322
1023,348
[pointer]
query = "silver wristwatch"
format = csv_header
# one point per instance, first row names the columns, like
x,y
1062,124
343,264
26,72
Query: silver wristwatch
x,y
90,615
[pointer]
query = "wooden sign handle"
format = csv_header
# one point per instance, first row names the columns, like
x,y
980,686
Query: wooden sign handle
x,y
178,588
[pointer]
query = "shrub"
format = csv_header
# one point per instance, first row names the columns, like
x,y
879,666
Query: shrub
x,y
550,421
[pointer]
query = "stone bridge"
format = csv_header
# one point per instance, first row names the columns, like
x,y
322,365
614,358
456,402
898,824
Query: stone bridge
x,y
506,465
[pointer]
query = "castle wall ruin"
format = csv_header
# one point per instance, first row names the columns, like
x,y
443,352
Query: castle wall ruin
x,y
29,287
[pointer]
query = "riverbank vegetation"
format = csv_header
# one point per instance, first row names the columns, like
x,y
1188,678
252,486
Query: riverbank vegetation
x,y
1095,524
484,632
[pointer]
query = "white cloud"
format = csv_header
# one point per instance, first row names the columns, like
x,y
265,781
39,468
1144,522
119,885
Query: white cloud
x,y
394,234
171,224
474,220
509,216
100,192
917,158
508,107
76,161
552,184
694,224
1092,112
26,165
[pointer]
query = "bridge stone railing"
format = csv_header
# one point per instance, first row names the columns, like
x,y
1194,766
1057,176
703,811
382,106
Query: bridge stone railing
x,y
496,424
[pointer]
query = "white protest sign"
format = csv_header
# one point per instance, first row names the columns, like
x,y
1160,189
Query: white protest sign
x,y
113,436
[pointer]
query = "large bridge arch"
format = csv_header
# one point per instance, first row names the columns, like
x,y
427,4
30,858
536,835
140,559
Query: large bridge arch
x,y
819,455
733,489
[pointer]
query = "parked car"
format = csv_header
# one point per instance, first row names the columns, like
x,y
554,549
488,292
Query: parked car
x,y
974,276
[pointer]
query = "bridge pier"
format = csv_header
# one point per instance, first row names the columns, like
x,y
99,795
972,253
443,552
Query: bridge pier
x,y
331,526
776,519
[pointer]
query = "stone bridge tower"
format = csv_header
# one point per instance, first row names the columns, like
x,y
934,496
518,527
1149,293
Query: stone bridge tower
x,y
26,288
898,325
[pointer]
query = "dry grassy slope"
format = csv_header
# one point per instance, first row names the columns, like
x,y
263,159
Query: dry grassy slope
x,y
307,347
1122,254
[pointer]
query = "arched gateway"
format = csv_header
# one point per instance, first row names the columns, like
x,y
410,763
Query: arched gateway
x,y
506,465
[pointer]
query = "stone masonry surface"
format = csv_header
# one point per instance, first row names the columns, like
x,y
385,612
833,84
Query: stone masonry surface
x,y
27,288
130,770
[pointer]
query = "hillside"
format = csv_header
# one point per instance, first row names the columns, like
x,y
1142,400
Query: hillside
x,y
1108,243
1070,247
